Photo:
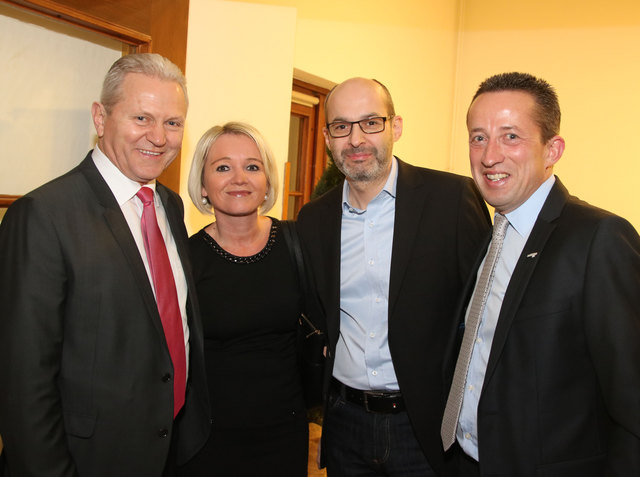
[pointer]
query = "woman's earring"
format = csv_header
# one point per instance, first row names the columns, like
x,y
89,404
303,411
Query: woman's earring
x,y
266,196
204,200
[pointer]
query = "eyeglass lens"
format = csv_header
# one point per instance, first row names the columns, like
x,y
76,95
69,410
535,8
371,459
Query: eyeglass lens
x,y
368,126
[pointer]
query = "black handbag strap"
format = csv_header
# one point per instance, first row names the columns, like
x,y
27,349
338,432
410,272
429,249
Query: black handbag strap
x,y
295,250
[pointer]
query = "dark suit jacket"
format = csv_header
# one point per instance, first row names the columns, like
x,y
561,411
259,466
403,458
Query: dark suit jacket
x,y
83,358
440,222
561,395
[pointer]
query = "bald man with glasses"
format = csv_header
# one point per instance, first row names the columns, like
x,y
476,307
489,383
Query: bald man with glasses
x,y
389,250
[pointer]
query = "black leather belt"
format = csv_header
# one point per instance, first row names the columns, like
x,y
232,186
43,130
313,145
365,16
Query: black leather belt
x,y
388,402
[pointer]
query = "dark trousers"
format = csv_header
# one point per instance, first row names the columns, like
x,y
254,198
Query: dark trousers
x,y
360,443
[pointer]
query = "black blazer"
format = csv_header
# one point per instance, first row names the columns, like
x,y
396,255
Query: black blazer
x,y
83,356
440,222
561,395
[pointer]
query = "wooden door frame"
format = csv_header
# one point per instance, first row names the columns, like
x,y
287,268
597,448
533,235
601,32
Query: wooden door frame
x,y
312,141
319,92
306,145
138,41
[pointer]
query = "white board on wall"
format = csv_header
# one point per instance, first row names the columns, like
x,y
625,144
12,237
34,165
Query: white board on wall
x,y
50,73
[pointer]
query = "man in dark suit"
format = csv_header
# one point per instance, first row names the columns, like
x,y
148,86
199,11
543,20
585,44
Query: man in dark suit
x,y
91,376
551,385
389,251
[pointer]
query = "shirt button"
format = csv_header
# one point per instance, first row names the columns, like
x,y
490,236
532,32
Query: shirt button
x,y
372,335
162,433
370,225
470,387
375,373
378,300
166,378
467,435
371,261
478,340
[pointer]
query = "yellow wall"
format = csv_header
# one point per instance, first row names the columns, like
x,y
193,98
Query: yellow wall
x,y
590,52
432,54
239,68
410,47
412,50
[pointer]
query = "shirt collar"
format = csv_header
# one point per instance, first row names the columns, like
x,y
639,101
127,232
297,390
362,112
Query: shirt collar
x,y
524,217
121,186
388,189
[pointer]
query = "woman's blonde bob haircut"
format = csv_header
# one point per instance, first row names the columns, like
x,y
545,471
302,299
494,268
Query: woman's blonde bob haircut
x,y
200,157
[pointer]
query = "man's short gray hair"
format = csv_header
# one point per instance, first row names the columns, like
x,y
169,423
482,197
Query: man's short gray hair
x,y
149,64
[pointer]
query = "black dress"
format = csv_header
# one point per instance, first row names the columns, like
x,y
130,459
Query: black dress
x,y
250,308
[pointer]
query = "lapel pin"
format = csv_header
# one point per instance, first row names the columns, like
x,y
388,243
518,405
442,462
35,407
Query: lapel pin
x,y
532,255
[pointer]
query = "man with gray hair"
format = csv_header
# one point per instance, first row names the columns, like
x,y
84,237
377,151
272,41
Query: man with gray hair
x,y
101,358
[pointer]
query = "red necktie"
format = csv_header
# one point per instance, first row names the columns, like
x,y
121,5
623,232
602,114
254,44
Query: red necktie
x,y
166,295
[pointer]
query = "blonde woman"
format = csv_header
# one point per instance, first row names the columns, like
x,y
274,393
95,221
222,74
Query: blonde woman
x,y
250,300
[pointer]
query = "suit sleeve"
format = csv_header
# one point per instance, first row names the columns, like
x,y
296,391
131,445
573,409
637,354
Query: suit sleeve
x,y
612,321
32,300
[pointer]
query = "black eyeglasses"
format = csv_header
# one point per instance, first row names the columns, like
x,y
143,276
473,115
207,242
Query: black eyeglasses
x,y
368,126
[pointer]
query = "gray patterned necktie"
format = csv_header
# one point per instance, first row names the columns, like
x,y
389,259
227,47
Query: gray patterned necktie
x,y
454,403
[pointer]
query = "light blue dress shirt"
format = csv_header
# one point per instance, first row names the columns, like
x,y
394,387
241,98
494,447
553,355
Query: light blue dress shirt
x,y
521,222
363,359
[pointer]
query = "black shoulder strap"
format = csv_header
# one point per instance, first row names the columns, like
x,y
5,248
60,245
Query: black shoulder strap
x,y
292,240
295,250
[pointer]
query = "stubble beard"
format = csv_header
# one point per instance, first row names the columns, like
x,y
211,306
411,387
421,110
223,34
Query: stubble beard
x,y
374,171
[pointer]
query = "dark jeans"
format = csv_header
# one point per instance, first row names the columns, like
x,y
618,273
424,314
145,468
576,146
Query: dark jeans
x,y
360,443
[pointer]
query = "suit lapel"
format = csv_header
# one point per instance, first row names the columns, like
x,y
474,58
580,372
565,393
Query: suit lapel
x,y
453,348
470,285
410,192
330,239
175,218
542,230
173,211
122,234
